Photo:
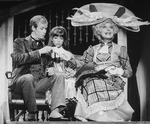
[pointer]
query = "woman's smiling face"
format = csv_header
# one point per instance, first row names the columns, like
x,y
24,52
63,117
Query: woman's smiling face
x,y
106,31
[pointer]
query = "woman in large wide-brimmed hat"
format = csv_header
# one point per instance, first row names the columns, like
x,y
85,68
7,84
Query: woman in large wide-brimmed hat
x,y
101,97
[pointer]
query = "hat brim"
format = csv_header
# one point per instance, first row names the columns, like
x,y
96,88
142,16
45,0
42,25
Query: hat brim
x,y
84,17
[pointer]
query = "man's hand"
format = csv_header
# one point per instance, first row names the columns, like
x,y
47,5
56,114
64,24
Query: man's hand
x,y
45,49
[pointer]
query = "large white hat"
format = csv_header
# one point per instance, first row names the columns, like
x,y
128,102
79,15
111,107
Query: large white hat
x,y
94,13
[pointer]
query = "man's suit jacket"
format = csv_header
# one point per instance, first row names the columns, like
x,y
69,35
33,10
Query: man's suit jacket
x,y
25,54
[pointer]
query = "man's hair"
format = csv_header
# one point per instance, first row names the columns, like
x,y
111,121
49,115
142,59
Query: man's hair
x,y
34,21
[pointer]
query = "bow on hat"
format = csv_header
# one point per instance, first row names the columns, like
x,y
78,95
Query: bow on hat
x,y
94,13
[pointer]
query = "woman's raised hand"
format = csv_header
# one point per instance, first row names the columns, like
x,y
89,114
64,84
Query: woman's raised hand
x,y
113,70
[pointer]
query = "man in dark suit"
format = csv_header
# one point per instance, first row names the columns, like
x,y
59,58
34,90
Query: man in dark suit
x,y
28,52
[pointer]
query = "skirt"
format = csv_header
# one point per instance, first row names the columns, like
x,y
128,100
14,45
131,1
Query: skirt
x,y
115,111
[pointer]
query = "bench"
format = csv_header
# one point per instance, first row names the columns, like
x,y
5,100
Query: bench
x,y
18,109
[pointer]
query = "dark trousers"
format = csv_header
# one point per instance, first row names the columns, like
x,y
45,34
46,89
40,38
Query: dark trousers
x,y
26,87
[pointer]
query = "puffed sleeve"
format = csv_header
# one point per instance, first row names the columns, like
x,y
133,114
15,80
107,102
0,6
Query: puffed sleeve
x,y
125,62
86,57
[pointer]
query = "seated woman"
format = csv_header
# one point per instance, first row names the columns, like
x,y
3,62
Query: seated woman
x,y
101,90
104,99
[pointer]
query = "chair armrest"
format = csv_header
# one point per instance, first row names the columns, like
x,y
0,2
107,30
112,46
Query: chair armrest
x,y
8,74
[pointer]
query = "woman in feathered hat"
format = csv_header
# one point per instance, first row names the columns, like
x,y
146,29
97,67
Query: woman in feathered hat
x,y
101,97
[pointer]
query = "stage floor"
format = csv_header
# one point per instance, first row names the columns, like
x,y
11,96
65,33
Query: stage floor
x,y
78,122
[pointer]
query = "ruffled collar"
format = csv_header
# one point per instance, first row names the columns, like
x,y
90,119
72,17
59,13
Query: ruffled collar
x,y
104,47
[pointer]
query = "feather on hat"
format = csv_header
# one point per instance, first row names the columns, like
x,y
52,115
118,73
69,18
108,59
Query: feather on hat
x,y
95,13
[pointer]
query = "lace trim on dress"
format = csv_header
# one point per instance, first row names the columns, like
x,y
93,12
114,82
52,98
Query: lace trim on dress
x,y
100,106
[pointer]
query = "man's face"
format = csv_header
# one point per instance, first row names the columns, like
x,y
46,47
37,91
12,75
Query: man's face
x,y
40,31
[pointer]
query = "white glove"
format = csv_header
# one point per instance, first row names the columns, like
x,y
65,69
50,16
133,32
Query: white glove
x,y
115,71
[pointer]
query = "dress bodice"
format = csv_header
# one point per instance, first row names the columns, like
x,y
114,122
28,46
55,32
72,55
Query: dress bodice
x,y
103,60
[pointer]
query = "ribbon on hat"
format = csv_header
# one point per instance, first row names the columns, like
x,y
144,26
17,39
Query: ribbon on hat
x,y
120,12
